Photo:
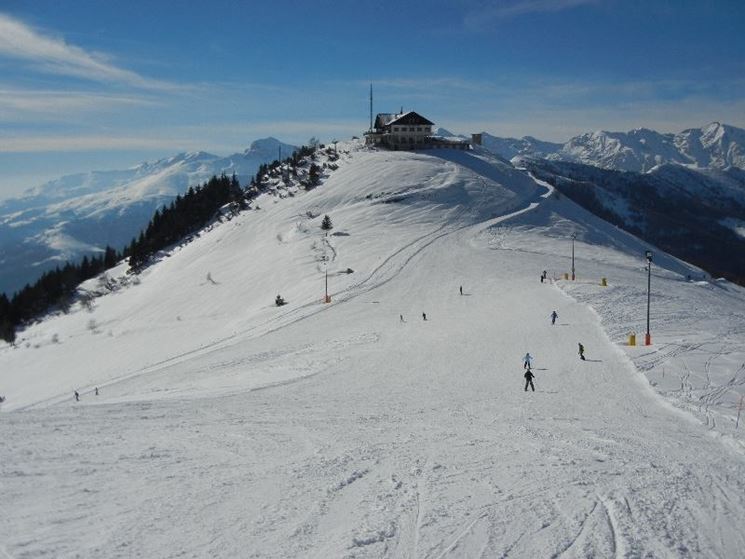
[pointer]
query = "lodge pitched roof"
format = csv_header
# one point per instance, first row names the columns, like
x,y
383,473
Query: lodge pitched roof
x,y
410,118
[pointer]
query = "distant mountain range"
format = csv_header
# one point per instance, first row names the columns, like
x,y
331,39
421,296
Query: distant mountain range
x,y
80,214
715,146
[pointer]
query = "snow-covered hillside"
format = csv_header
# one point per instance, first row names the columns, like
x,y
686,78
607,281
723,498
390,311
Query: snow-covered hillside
x,y
225,426
80,214
714,146
692,213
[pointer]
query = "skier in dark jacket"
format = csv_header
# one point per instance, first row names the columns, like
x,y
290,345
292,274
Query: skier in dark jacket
x,y
529,380
554,316
77,396
581,351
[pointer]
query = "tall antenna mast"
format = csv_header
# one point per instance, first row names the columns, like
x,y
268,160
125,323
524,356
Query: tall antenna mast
x,y
371,108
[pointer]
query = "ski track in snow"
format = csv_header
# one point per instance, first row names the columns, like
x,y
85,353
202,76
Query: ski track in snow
x,y
338,431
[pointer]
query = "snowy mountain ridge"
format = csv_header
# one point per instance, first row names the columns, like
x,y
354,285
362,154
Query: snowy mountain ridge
x,y
715,145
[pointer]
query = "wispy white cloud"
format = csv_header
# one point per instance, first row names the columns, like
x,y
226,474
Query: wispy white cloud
x,y
495,10
54,55
23,104
71,143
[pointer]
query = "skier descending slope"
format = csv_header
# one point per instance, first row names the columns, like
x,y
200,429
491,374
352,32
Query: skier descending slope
x,y
527,360
554,316
529,376
581,351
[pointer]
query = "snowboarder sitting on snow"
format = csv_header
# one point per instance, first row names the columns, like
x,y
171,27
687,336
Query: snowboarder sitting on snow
x,y
581,351
279,301
529,376
527,361
554,316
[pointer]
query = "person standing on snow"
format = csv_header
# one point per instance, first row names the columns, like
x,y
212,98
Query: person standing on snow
x,y
77,396
554,316
529,376
461,290
527,360
424,316
581,351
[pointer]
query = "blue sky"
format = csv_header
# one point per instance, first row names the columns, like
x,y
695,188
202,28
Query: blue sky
x,y
98,85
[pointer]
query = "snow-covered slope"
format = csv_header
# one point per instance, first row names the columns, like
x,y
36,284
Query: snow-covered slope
x,y
80,214
359,429
690,212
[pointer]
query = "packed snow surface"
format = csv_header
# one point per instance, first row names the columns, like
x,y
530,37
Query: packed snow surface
x,y
228,427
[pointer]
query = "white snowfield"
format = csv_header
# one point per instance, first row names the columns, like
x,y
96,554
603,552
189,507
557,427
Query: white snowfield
x,y
228,427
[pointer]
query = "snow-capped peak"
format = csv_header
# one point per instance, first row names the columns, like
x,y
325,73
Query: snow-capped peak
x,y
715,145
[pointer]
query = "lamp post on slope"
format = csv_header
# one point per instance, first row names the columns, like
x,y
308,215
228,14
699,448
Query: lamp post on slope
x,y
574,236
327,297
648,254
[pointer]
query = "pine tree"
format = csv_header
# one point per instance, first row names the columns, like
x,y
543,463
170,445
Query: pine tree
x,y
7,329
326,224
314,175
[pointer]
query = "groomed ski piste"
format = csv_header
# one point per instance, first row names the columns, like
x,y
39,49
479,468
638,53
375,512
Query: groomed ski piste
x,y
226,426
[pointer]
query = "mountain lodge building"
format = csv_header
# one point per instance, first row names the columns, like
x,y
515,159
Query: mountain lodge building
x,y
408,130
